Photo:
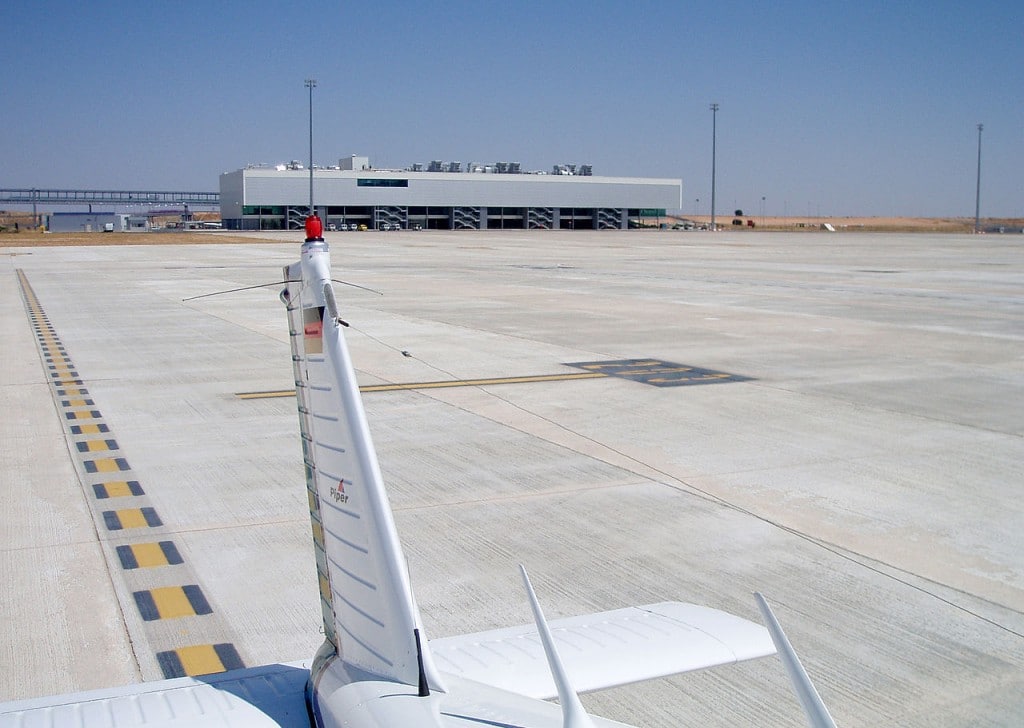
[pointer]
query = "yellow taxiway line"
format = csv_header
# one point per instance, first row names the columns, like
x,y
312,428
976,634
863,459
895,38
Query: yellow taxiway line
x,y
443,384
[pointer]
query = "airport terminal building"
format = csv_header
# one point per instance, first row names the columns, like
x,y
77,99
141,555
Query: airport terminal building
x,y
442,197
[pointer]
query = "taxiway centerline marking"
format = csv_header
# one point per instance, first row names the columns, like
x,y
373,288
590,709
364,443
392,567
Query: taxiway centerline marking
x,y
442,384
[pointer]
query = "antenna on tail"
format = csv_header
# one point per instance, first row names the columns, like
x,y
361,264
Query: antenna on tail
x,y
812,704
574,715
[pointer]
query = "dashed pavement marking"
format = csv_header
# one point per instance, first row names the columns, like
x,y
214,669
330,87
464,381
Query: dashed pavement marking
x,y
106,465
199,660
131,518
148,555
145,565
171,602
118,489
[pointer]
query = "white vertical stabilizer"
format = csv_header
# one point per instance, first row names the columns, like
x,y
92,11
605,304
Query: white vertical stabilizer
x,y
368,608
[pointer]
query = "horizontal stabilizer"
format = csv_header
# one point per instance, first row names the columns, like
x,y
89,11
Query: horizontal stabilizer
x,y
606,649
271,696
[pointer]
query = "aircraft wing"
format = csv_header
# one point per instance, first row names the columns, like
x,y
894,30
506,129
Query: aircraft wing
x,y
260,697
606,649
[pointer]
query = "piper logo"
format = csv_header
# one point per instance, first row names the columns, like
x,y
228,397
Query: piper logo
x,y
338,492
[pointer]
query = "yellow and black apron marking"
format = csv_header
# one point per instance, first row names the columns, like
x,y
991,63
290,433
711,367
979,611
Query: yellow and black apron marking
x,y
148,555
96,445
131,518
117,489
89,429
106,465
657,373
199,660
129,524
87,415
171,602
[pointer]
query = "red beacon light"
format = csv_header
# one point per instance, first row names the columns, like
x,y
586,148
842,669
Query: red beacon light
x,y
314,228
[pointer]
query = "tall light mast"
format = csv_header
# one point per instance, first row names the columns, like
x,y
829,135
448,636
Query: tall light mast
x,y
311,84
977,188
714,134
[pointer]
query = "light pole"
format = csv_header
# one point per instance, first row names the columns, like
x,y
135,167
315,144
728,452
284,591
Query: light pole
x,y
977,188
714,134
762,210
311,84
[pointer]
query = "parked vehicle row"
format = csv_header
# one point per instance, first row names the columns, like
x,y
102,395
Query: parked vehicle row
x,y
345,226
333,227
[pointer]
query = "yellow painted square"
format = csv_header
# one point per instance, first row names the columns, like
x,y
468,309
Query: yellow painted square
x,y
171,602
99,446
106,465
148,554
117,489
89,429
77,403
199,660
131,518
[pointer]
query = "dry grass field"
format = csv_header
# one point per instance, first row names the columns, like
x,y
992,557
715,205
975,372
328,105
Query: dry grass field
x,y
25,239
16,229
866,224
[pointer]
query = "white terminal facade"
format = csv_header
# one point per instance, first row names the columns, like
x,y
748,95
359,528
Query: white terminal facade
x,y
492,197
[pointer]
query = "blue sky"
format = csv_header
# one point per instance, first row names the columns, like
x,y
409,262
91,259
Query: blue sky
x,y
837,108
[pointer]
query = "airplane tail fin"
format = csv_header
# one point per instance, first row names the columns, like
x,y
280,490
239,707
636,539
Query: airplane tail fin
x,y
369,614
